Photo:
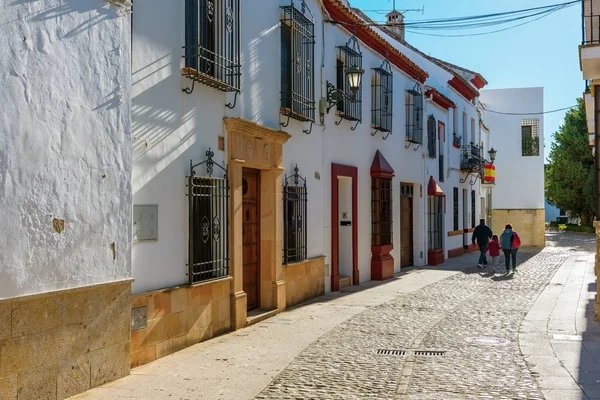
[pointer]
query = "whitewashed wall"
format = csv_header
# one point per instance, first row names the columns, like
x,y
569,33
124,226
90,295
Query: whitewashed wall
x,y
171,128
519,180
65,145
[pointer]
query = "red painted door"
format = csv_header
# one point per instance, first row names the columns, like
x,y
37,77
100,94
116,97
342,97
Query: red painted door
x,y
251,236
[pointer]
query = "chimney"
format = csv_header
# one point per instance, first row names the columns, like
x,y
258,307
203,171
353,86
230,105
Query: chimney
x,y
395,23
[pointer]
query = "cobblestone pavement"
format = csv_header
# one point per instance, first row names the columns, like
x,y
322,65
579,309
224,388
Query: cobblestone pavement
x,y
344,364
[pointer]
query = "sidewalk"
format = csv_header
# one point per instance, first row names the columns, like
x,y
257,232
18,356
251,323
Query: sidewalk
x,y
240,364
559,338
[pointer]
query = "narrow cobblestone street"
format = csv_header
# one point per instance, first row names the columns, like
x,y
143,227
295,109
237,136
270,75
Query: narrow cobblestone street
x,y
344,364
450,332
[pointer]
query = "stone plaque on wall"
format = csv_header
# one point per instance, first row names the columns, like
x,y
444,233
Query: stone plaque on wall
x,y
138,318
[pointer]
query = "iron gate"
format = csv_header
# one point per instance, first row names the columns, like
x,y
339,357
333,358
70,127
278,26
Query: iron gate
x,y
208,202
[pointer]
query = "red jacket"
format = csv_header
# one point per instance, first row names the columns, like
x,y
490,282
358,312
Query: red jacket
x,y
494,248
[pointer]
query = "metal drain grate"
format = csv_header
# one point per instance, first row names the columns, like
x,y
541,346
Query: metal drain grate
x,y
429,353
398,352
391,352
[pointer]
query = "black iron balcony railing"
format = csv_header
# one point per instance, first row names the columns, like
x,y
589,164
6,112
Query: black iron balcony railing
x,y
470,159
590,24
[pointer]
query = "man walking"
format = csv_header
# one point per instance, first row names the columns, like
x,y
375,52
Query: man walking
x,y
482,234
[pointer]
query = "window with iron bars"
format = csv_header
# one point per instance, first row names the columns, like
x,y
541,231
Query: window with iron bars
x,y
208,211
442,144
348,56
294,218
473,209
435,213
297,62
530,137
212,43
455,208
414,116
590,24
381,98
381,211
431,133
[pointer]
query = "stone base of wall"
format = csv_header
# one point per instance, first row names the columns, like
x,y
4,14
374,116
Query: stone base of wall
x,y
435,257
472,248
58,344
304,280
178,317
456,252
530,224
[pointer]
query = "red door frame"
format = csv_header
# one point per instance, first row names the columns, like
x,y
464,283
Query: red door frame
x,y
352,172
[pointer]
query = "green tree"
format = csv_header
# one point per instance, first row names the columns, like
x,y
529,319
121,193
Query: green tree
x,y
570,172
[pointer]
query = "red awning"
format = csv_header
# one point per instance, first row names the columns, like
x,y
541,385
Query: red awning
x,y
433,189
380,168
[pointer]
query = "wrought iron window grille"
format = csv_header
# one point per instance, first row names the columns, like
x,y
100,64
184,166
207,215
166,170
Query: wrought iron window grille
x,y
347,94
431,136
212,45
435,213
381,212
297,63
382,94
294,218
406,190
208,213
472,209
455,208
530,137
590,23
414,117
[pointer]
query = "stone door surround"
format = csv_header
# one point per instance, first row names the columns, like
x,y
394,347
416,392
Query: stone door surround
x,y
251,145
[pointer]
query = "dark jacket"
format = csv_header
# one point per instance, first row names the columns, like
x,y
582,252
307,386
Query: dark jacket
x,y
482,234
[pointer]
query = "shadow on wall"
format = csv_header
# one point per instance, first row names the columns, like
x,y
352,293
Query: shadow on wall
x,y
256,77
98,12
156,117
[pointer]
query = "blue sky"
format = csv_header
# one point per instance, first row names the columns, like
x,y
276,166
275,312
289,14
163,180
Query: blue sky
x,y
542,53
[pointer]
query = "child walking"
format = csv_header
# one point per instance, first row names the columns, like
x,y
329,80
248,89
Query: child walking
x,y
494,249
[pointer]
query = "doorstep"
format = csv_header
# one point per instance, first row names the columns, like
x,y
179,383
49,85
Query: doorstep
x,y
256,316
345,281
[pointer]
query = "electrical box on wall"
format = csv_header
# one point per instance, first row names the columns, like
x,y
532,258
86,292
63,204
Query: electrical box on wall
x,y
145,223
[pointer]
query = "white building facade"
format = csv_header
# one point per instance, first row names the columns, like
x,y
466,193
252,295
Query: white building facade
x,y
65,202
243,89
520,162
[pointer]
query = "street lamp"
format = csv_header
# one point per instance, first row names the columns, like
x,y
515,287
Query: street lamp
x,y
492,153
335,95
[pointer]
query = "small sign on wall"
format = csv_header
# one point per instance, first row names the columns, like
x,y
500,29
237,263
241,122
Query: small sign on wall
x,y
138,318
145,223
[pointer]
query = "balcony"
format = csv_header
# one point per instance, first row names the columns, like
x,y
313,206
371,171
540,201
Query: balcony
x,y
456,141
589,51
471,159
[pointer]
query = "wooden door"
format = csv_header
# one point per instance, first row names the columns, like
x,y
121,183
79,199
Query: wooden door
x,y
251,236
406,231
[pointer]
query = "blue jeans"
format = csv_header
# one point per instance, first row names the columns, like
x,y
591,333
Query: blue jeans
x,y
482,257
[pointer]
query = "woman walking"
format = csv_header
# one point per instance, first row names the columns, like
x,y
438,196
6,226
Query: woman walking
x,y
510,243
